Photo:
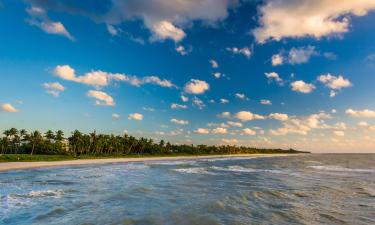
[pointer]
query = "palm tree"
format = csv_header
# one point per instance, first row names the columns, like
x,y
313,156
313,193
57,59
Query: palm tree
x,y
35,139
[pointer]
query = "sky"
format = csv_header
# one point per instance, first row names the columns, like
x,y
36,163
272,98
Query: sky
x,y
270,74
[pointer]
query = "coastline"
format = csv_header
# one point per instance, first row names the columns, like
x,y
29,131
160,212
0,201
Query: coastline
x,y
8,166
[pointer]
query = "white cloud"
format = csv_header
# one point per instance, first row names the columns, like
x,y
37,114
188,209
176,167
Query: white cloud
x,y
214,63
224,115
301,86
303,125
135,116
178,106
102,98
277,60
181,49
365,113
234,124
166,19
319,18
248,131
101,79
339,133
54,88
274,76
230,141
247,116
184,98
217,75
334,82
198,103
224,101
179,122
219,130
202,131
301,55
242,51
112,30
115,116
241,96
7,107
279,116
164,29
265,102
196,87
148,109
40,19
294,56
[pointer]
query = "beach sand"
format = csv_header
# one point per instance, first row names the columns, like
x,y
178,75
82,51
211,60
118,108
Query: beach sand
x,y
6,166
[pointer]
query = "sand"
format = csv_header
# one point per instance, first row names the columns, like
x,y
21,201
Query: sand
x,y
6,166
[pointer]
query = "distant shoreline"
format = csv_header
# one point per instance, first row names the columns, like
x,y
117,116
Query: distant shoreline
x,y
8,166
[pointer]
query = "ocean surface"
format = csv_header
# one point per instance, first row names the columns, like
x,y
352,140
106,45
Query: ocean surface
x,y
296,189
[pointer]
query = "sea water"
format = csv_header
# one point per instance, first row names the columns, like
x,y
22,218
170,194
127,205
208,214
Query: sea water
x,y
295,189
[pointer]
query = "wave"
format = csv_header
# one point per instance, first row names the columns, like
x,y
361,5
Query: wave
x,y
246,170
342,169
227,158
193,170
173,163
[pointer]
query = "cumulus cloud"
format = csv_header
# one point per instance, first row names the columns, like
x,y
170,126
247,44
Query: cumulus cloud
x,y
196,87
148,109
279,116
135,116
273,76
301,18
178,106
166,19
248,131
336,83
115,116
224,115
241,96
339,133
54,88
7,107
182,50
247,116
202,131
277,60
302,125
265,102
229,141
301,86
40,19
101,79
234,124
365,113
294,56
198,103
240,51
184,98
219,130
217,75
179,122
224,101
102,98
214,64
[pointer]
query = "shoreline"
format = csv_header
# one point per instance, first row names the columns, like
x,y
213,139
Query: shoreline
x,y
9,166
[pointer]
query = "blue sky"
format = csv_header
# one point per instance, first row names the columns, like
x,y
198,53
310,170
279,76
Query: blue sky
x,y
272,73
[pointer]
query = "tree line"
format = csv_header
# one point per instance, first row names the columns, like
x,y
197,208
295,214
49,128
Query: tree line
x,y
16,141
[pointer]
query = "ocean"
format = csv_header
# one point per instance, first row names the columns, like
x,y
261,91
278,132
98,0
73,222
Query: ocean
x,y
295,189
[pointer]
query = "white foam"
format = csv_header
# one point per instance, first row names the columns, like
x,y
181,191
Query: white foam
x,y
341,169
241,169
193,170
226,158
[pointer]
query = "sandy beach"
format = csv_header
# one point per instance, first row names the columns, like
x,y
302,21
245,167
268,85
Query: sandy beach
x,y
6,166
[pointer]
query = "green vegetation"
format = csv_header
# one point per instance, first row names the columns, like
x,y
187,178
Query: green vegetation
x,y
19,145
